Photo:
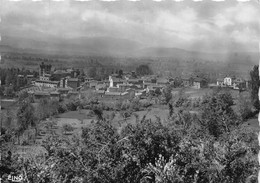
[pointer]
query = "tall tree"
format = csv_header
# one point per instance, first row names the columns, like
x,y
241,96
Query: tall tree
x,y
143,70
25,117
217,115
254,74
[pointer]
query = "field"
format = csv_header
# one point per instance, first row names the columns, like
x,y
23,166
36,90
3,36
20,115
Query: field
x,y
252,124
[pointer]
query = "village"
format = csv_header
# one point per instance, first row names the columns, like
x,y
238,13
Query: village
x,y
121,86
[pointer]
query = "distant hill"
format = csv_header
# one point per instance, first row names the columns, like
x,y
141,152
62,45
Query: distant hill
x,y
232,57
117,47
80,46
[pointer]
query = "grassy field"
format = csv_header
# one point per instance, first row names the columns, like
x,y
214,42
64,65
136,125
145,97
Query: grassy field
x,y
252,124
82,114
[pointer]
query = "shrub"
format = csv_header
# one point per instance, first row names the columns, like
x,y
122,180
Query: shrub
x,y
62,108
67,128
245,107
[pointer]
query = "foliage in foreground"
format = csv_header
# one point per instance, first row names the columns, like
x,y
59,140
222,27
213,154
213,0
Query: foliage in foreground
x,y
146,152
183,149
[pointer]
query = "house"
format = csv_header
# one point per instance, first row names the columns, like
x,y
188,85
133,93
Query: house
x,y
63,83
38,95
220,81
29,78
92,84
163,81
88,79
63,91
117,95
153,87
228,81
46,83
199,83
151,79
59,74
140,92
239,83
73,93
73,82
135,81
55,95
136,87
187,81
20,80
113,89
101,86
100,93
123,87
44,69
7,103
115,81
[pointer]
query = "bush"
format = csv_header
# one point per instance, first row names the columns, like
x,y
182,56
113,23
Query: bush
x,y
125,105
71,106
91,113
25,142
135,105
245,107
62,108
117,105
67,128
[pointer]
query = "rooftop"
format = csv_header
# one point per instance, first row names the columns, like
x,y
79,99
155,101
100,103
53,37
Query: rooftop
x,y
118,79
116,93
162,80
199,79
100,91
55,93
63,89
220,79
73,79
61,72
185,78
44,81
41,93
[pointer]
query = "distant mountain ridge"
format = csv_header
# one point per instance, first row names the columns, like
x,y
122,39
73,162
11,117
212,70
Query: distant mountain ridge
x,y
78,46
109,46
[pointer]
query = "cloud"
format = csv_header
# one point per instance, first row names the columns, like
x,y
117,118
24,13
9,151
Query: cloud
x,y
210,26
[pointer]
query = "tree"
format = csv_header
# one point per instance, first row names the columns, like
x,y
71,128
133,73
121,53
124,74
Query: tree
x,y
217,115
25,117
120,73
157,92
207,160
255,83
126,114
148,151
143,70
67,128
167,93
92,72
245,107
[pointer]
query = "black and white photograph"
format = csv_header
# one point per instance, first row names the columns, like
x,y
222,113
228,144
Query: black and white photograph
x,y
129,91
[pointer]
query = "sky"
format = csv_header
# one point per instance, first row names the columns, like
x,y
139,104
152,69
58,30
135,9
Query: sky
x,y
207,26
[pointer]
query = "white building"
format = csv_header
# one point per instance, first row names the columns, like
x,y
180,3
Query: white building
x,y
228,81
113,82
48,84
